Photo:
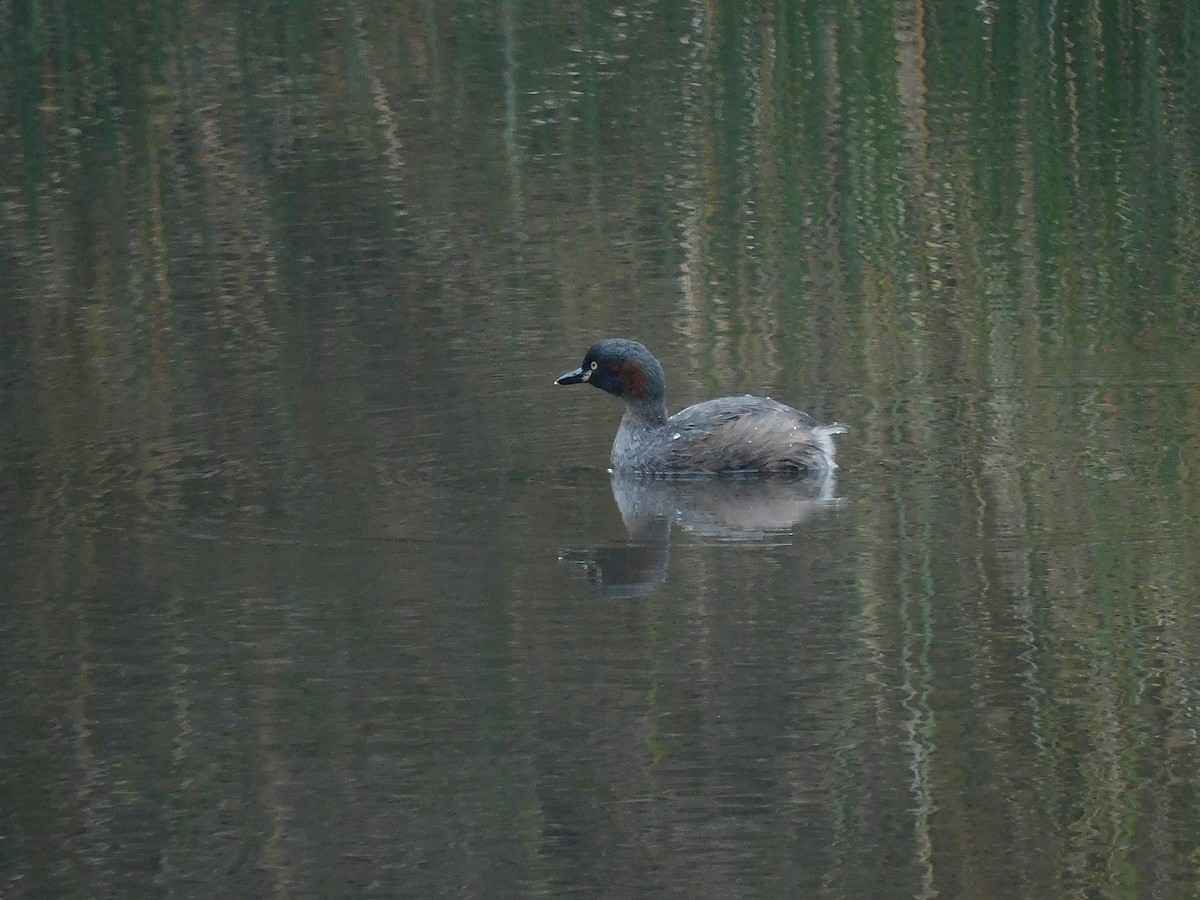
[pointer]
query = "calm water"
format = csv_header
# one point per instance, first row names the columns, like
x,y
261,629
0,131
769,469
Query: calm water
x,y
312,583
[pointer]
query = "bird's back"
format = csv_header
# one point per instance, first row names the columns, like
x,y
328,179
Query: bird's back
x,y
743,434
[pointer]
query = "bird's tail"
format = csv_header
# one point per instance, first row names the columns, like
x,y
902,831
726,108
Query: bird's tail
x,y
823,435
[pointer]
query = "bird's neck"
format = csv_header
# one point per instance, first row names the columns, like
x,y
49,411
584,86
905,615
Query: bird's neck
x,y
645,412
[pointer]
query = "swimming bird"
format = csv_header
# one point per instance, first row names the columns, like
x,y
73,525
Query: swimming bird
x,y
729,436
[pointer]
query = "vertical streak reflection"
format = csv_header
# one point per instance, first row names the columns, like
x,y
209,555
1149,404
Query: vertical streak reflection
x,y
511,148
918,727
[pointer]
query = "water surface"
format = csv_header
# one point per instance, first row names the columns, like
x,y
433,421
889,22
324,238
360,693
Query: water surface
x,y
314,585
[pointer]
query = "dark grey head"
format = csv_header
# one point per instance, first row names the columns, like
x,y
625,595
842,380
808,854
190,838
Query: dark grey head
x,y
625,369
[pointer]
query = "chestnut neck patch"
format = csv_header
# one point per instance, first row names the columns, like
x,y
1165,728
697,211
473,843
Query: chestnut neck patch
x,y
633,379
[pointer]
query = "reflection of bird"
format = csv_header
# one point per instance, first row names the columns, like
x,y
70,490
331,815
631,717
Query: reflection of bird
x,y
729,509
730,435
631,570
741,509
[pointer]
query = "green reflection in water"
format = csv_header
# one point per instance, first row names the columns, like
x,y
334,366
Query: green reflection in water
x,y
299,273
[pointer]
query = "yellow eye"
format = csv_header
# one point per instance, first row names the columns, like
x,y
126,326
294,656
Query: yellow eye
x,y
595,365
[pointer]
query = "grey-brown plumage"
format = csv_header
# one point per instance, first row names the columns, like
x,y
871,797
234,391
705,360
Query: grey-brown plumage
x,y
753,435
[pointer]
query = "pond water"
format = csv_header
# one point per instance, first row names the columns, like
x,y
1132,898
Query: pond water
x,y
313,583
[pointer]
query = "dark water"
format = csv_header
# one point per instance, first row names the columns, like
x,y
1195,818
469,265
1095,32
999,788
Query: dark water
x,y
313,585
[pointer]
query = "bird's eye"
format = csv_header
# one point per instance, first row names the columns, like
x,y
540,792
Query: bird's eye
x,y
595,365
